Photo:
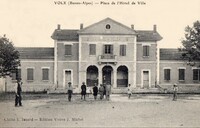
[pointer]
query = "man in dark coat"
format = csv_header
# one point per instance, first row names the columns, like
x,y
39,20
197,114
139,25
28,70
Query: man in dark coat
x,y
95,91
18,91
83,90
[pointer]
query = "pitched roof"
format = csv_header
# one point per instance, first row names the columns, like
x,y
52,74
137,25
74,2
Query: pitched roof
x,y
35,53
170,54
148,35
73,34
65,34
116,28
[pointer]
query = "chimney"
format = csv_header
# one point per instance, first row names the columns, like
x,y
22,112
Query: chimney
x,y
132,26
81,26
154,28
58,28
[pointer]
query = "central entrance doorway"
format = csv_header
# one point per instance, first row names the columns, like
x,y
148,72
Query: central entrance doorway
x,y
107,74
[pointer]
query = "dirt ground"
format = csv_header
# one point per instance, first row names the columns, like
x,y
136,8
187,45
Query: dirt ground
x,y
42,110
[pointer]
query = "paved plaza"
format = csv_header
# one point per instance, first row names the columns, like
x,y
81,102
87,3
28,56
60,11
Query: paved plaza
x,y
142,110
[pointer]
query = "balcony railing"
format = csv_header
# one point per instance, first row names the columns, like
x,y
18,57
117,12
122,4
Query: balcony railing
x,y
107,58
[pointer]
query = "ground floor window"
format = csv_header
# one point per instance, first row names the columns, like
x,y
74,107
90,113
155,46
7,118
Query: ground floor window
x,y
122,76
196,74
181,74
45,74
30,73
166,74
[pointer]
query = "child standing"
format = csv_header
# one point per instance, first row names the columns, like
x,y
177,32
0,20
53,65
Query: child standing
x,y
70,91
175,90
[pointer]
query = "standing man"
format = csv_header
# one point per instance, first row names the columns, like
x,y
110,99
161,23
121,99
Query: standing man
x,y
175,90
129,91
108,90
18,91
101,91
70,91
83,90
95,91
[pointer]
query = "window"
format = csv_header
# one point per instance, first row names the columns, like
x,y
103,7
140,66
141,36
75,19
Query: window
x,y
16,74
92,49
181,74
145,51
30,73
122,51
45,74
196,74
108,49
166,74
68,49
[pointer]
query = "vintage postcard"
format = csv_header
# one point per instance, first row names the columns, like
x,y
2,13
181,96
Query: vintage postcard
x,y
99,63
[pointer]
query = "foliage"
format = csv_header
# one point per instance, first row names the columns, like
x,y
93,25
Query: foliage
x,y
9,57
191,44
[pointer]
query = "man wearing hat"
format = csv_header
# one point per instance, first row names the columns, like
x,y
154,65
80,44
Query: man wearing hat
x,y
83,90
175,90
18,91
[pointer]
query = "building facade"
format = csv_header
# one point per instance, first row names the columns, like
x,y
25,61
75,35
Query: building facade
x,y
104,52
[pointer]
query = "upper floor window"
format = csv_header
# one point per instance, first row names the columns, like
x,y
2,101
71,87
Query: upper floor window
x,y
68,49
146,50
196,74
30,74
122,51
16,74
108,49
92,49
166,74
45,74
181,74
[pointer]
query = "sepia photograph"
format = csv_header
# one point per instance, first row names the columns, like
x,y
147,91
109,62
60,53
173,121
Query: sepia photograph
x,y
99,63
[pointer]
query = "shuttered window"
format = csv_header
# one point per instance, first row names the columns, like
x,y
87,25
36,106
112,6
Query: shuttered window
x,y
45,74
108,49
196,74
122,51
146,50
166,74
68,49
92,49
30,73
181,74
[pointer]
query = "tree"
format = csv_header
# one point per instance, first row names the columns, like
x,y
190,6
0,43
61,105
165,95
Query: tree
x,y
191,44
9,57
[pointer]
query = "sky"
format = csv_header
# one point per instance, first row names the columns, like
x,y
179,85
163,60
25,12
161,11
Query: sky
x,y
30,23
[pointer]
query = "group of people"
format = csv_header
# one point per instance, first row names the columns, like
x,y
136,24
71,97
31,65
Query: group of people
x,y
103,90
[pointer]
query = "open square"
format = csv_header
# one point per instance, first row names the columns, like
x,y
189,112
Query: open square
x,y
141,110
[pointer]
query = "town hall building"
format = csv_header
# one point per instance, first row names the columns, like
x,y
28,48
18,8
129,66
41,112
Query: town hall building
x,y
104,52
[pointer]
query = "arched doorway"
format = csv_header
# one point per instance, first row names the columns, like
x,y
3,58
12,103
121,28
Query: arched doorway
x,y
122,76
107,74
92,75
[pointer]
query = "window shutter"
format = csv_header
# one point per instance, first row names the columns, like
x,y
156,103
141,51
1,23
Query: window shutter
x,y
45,74
68,49
181,74
29,74
92,49
195,74
145,50
111,49
166,74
